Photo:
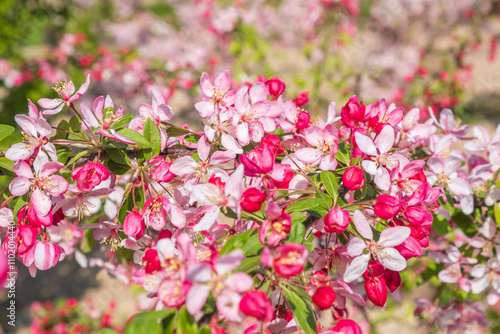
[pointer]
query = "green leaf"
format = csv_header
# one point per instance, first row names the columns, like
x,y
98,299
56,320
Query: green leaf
x,y
135,136
185,323
117,168
465,223
252,246
327,200
304,204
205,330
302,312
63,154
63,125
108,331
343,155
75,124
193,139
236,241
441,225
297,233
148,322
118,155
330,182
77,156
298,217
496,211
152,135
88,241
5,131
177,132
6,164
249,264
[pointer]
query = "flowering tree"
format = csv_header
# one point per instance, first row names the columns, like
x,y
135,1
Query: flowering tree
x,y
265,221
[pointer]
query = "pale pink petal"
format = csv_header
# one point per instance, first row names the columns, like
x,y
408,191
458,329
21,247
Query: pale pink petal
x,y
243,133
391,259
203,148
205,108
50,103
369,166
208,219
436,165
19,186
231,144
19,151
239,282
356,246
88,118
308,155
460,187
365,144
83,88
41,202
206,85
199,272
385,139
221,157
183,166
27,124
228,305
43,128
229,262
21,168
197,297
222,81
356,268
177,217
382,178
51,150
50,168
258,92
362,225
394,236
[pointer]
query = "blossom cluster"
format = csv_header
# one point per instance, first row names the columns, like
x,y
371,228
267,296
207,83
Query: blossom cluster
x,y
267,218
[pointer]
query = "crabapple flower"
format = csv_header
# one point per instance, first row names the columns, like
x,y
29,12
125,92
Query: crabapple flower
x,y
258,161
159,112
134,225
347,326
103,122
35,132
226,288
173,292
276,227
382,250
90,175
217,94
213,196
326,145
289,259
44,184
448,124
380,156
255,304
252,121
65,90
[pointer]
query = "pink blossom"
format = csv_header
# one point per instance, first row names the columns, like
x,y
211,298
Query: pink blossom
x,y
326,145
381,250
217,95
64,89
90,175
35,131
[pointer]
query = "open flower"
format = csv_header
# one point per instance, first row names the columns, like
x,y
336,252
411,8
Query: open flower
x,y
65,90
382,250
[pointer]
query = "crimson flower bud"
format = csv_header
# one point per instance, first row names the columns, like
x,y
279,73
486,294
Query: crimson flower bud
x,y
353,178
275,87
255,304
324,297
252,199
133,225
409,248
301,99
352,112
376,289
303,120
386,207
392,279
337,220
347,326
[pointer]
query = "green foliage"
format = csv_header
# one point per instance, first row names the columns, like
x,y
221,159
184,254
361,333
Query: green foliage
x,y
301,311
150,322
